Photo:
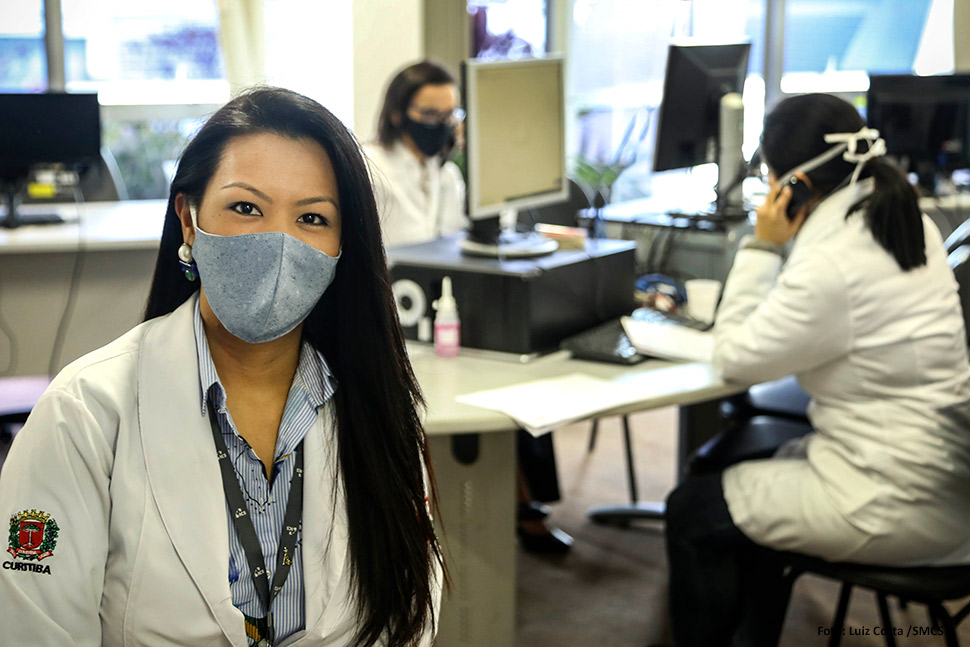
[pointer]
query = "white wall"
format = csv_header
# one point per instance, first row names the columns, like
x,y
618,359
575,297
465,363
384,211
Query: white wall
x,y
309,49
342,52
388,34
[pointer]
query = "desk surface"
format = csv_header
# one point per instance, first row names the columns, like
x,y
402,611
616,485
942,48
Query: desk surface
x,y
444,379
102,226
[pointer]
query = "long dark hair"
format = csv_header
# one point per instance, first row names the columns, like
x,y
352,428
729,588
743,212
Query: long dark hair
x,y
794,133
401,90
382,448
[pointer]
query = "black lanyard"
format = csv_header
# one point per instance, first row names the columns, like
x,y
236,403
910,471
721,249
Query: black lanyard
x,y
246,532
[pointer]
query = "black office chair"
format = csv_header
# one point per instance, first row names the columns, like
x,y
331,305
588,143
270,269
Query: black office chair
x,y
931,586
104,183
564,213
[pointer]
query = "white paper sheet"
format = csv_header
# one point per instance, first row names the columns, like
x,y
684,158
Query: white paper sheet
x,y
542,405
670,341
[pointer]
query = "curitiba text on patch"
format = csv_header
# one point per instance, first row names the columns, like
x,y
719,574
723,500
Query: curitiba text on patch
x,y
26,566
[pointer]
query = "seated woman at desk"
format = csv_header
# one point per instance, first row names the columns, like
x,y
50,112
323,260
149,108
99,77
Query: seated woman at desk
x,y
421,194
865,313
247,466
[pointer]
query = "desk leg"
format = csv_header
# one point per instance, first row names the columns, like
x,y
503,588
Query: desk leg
x,y
696,424
476,527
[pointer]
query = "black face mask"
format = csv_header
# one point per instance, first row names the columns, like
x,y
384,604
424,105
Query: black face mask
x,y
430,139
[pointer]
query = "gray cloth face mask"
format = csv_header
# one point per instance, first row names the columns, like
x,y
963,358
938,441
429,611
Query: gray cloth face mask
x,y
260,286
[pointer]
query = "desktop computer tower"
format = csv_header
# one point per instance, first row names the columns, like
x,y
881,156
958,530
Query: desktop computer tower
x,y
523,306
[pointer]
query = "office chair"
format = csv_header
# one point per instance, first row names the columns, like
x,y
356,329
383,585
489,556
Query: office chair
x,y
959,262
564,214
959,236
929,585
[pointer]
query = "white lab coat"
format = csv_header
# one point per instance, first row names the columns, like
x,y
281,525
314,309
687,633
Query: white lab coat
x,y
882,353
118,453
417,201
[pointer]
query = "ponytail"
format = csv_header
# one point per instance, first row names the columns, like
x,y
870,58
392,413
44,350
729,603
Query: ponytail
x,y
893,215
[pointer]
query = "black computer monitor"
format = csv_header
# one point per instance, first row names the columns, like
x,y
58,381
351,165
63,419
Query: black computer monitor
x,y
925,121
697,77
48,128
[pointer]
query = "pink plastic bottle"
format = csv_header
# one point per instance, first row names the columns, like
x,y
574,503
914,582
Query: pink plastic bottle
x,y
447,327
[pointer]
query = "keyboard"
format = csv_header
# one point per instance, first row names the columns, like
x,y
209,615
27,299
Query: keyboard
x,y
24,218
672,318
608,342
605,343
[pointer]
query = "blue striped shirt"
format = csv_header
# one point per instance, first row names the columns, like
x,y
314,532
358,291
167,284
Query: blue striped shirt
x,y
312,386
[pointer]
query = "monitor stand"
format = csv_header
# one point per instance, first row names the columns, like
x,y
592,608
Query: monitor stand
x,y
731,171
715,219
486,238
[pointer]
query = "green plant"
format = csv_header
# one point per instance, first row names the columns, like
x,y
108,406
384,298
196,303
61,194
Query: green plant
x,y
594,173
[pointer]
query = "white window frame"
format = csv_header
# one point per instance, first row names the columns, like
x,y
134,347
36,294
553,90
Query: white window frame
x,y
116,97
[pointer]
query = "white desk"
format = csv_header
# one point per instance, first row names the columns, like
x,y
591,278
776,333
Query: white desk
x,y
112,248
474,458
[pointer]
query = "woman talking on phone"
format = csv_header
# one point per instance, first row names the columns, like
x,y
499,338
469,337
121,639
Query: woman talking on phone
x,y
865,313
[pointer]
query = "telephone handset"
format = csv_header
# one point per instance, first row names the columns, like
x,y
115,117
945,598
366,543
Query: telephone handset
x,y
801,194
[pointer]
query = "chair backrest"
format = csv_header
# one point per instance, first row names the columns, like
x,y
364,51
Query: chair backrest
x,y
563,213
959,236
959,262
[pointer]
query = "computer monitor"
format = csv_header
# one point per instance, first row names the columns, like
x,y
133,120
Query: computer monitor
x,y
688,129
515,142
925,121
49,128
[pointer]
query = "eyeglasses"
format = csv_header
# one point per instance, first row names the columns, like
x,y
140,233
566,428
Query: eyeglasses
x,y
431,116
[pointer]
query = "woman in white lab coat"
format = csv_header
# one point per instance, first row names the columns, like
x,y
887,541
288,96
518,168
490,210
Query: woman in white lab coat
x,y
420,192
865,313
247,466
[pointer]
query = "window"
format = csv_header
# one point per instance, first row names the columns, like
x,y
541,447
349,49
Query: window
x,y
135,53
503,29
832,45
739,20
157,70
23,64
617,57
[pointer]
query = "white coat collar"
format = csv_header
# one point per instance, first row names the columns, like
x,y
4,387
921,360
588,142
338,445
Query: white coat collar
x,y
400,151
180,460
829,216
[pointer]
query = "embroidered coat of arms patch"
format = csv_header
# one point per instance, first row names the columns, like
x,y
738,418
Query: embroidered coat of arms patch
x,y
33,535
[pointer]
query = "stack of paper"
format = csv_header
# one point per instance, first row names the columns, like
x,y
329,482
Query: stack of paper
x,y
543,405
